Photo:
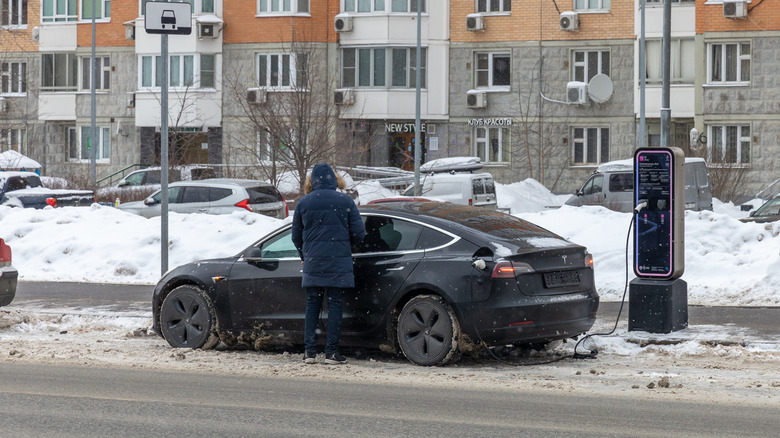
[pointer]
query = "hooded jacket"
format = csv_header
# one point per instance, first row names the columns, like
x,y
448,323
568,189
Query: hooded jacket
x,y
326,225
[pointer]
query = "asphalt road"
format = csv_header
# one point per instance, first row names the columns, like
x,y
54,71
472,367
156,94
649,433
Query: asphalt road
x,y
66,401
760,320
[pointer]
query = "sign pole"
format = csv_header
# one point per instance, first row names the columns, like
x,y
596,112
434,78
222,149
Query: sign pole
x,y
164,156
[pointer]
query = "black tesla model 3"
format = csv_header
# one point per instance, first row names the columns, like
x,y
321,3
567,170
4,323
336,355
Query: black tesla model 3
x,y
431,278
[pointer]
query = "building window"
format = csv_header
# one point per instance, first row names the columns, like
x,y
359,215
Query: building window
x,y
13,76
661,2
103,66
80,146
102,9
589,63
491,145
590,145
381,5
59,72
207,6
283,7
281,151
184,71
14,13
382,67
580,5
493,70
729,144
494,5
682,68
13,139
281,70
729,63
57,11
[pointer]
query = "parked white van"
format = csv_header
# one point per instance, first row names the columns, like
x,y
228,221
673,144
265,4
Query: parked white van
x,y
612,186
451,179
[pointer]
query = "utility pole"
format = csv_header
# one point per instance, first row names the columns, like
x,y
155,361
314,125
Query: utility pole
x,y
666,111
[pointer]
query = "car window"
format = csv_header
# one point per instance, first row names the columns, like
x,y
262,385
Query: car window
x,y
135,179
593,185
173,195
16,183
621,182
195,194
771,208
279,246
389,234
217,193
701,176
430,238
490,186
478,186
262,194
152,177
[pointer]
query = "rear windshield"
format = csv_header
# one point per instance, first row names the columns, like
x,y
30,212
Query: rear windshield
x,y
494,223
263,194
20,183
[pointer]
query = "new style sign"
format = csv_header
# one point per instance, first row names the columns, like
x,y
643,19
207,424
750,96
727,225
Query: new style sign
x,y
168,18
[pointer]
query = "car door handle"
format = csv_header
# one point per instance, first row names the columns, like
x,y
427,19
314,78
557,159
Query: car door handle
x,y
396,269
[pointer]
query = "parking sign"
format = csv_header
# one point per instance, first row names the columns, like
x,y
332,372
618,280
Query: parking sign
x,y
173,18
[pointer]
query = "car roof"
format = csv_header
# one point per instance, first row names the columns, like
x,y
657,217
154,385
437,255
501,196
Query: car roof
x,y
210,182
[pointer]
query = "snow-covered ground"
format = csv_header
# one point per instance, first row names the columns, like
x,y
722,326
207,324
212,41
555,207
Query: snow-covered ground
x,y
727,262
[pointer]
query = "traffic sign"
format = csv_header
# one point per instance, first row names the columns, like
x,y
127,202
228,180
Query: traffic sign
x,y
173,18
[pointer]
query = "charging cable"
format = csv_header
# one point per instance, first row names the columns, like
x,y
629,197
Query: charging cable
x,y
594,351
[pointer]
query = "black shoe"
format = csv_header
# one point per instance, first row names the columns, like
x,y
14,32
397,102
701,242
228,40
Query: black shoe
x,y
309,357
335,359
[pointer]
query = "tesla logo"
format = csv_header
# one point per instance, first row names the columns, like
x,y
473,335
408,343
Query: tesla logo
x,y
564,259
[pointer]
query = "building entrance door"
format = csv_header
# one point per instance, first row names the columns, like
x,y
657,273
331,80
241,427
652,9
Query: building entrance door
x,y
402,150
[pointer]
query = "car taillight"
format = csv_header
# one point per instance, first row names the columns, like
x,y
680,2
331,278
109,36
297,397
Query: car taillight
x,y
286,208
589,260
507,269
471,202
5,254
52,202
244,204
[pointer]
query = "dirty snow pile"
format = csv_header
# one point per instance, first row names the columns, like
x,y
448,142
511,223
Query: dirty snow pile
x,y
727,262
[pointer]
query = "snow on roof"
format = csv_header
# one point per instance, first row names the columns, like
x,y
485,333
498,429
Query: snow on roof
x,y
452,163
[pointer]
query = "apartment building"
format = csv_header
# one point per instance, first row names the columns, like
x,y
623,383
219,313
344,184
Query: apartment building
x,y
519,86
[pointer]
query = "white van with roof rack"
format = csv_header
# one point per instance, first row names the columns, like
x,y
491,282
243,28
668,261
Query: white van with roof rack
x,y
452,180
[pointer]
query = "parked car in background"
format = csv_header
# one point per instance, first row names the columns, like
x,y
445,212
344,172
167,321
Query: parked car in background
x,y
152,175
214,196
24,189
769,212
612,186
431,279
477,189
8,275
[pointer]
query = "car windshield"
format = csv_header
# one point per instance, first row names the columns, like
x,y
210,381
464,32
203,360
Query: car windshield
x,y
771,208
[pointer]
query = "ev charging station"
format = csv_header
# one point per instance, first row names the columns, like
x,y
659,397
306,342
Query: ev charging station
x,y
658,297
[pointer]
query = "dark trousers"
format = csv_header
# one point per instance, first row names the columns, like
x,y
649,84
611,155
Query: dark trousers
x,y
314,297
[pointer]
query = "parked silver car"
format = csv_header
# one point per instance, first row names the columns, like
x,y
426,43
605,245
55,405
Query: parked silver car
x,y
214,196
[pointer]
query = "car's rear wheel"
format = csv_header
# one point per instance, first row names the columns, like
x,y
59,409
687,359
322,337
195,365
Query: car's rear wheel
x,y
187,319
428,331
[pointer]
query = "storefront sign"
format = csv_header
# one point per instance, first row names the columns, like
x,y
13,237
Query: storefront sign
x,y
402,128
505,121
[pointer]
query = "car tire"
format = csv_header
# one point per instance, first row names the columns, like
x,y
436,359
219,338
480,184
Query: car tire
x,y
187,319
428,331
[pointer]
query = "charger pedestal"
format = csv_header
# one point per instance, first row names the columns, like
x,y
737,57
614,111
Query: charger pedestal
x,y
657,306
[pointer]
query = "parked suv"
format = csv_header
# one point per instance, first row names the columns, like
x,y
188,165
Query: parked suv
x,y
612,186
214,196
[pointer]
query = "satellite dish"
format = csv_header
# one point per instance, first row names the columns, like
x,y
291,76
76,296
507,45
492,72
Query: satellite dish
x,y
600,88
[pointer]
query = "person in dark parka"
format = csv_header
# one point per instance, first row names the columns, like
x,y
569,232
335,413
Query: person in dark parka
x,y
326,225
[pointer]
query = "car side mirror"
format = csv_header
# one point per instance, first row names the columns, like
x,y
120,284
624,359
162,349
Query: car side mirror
x,y
578,193
122,184
149,201
254,255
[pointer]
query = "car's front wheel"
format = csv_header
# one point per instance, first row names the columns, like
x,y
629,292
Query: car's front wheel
x,y
428,331
187,319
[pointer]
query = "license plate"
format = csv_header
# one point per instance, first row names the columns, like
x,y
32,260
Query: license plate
x,y
558,279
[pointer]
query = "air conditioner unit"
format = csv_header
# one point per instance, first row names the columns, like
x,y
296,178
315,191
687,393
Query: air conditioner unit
x,y
475,22
577,92
569,21
256,96
131,100
343,23
3,105
344,96
476,99
735,8
207,30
